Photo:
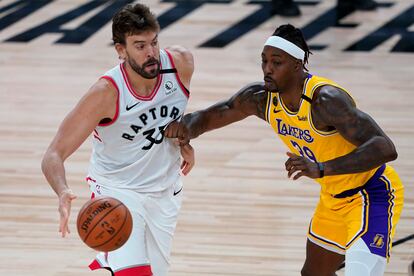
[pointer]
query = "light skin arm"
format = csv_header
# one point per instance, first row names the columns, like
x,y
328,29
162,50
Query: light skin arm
x,y
250,100
335,108
97,104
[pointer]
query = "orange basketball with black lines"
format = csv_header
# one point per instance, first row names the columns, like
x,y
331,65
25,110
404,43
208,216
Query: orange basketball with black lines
x,y
104,223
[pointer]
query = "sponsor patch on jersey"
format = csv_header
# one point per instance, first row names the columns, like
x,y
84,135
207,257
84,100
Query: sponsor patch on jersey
x,y
169,87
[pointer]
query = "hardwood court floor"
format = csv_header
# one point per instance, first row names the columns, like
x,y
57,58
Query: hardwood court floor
x,y
241,215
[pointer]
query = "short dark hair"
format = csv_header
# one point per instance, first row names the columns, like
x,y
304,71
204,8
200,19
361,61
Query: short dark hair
x,y
294,35
131,20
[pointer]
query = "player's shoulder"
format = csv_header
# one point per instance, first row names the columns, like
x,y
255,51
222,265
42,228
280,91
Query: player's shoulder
x,y
332,102
180,54
104,89
329,94
178,50
184,63
105,84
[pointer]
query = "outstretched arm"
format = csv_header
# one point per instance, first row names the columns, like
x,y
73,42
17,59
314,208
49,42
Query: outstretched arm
x,y
97,104
334,108
250,100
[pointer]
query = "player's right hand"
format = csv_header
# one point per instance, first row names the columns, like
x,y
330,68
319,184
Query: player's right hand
x,y
65,202
178,130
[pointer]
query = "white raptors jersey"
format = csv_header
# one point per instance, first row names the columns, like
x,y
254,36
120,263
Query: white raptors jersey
x,y
130,151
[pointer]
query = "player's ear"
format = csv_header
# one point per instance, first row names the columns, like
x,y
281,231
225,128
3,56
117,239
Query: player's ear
x,y
121,50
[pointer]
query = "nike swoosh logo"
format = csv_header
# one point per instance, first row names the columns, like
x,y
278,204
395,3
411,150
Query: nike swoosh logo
x,y
276,111
131,107
177,192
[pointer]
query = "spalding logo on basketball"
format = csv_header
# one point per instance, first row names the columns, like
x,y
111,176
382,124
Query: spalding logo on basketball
x,y
104,223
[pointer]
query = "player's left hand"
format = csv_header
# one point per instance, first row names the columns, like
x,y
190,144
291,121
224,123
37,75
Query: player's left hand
x,y
187,152
302,165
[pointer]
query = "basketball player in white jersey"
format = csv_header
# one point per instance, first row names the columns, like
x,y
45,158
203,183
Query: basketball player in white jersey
x,y
127,110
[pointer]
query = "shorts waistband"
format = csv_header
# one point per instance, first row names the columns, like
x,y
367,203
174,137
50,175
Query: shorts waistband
x,y
356,190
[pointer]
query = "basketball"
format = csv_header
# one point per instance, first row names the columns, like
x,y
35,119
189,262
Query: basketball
x,y
104,223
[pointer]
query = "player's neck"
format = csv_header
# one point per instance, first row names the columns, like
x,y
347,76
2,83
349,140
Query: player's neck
x,y
141,86
291,96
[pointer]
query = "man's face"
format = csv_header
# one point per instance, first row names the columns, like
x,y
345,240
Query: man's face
x,y
142,53
278,68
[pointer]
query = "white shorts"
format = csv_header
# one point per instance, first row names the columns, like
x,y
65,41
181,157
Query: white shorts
x,y
148,249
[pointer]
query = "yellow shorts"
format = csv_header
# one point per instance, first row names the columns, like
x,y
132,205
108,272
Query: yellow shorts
x,y
370,212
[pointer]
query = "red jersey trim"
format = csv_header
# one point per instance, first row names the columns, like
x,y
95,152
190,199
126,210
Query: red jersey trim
x,y
135,271
133,92
94,265
183,88
117,103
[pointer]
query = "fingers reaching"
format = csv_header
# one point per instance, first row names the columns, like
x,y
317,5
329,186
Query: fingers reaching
x,y
65,202
292,155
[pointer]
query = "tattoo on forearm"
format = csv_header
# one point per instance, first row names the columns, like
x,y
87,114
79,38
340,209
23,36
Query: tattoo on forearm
x,y
250,100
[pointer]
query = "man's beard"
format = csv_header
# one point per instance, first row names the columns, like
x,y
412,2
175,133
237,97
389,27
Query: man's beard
x,y
140,70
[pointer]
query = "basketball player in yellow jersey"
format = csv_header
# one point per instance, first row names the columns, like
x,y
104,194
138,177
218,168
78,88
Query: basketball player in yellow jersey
x,y
330,140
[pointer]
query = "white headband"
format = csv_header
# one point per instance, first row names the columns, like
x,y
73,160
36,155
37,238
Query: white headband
x,y
287,46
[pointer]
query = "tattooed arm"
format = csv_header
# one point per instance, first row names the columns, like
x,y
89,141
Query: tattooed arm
x,y
334,108
250,100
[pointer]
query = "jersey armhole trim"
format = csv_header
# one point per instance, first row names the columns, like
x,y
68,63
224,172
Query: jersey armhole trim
x,y
111,80
320,132
183,88
267,112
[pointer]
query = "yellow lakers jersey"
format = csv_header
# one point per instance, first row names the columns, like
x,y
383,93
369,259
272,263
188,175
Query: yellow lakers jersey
x,y
300,135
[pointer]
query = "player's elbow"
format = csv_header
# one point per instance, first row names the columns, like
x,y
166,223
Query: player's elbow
x,y
50,157
393,154
46,160
387,147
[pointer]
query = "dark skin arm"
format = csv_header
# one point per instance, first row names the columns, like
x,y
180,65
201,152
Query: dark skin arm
x,y
333,108
250,100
